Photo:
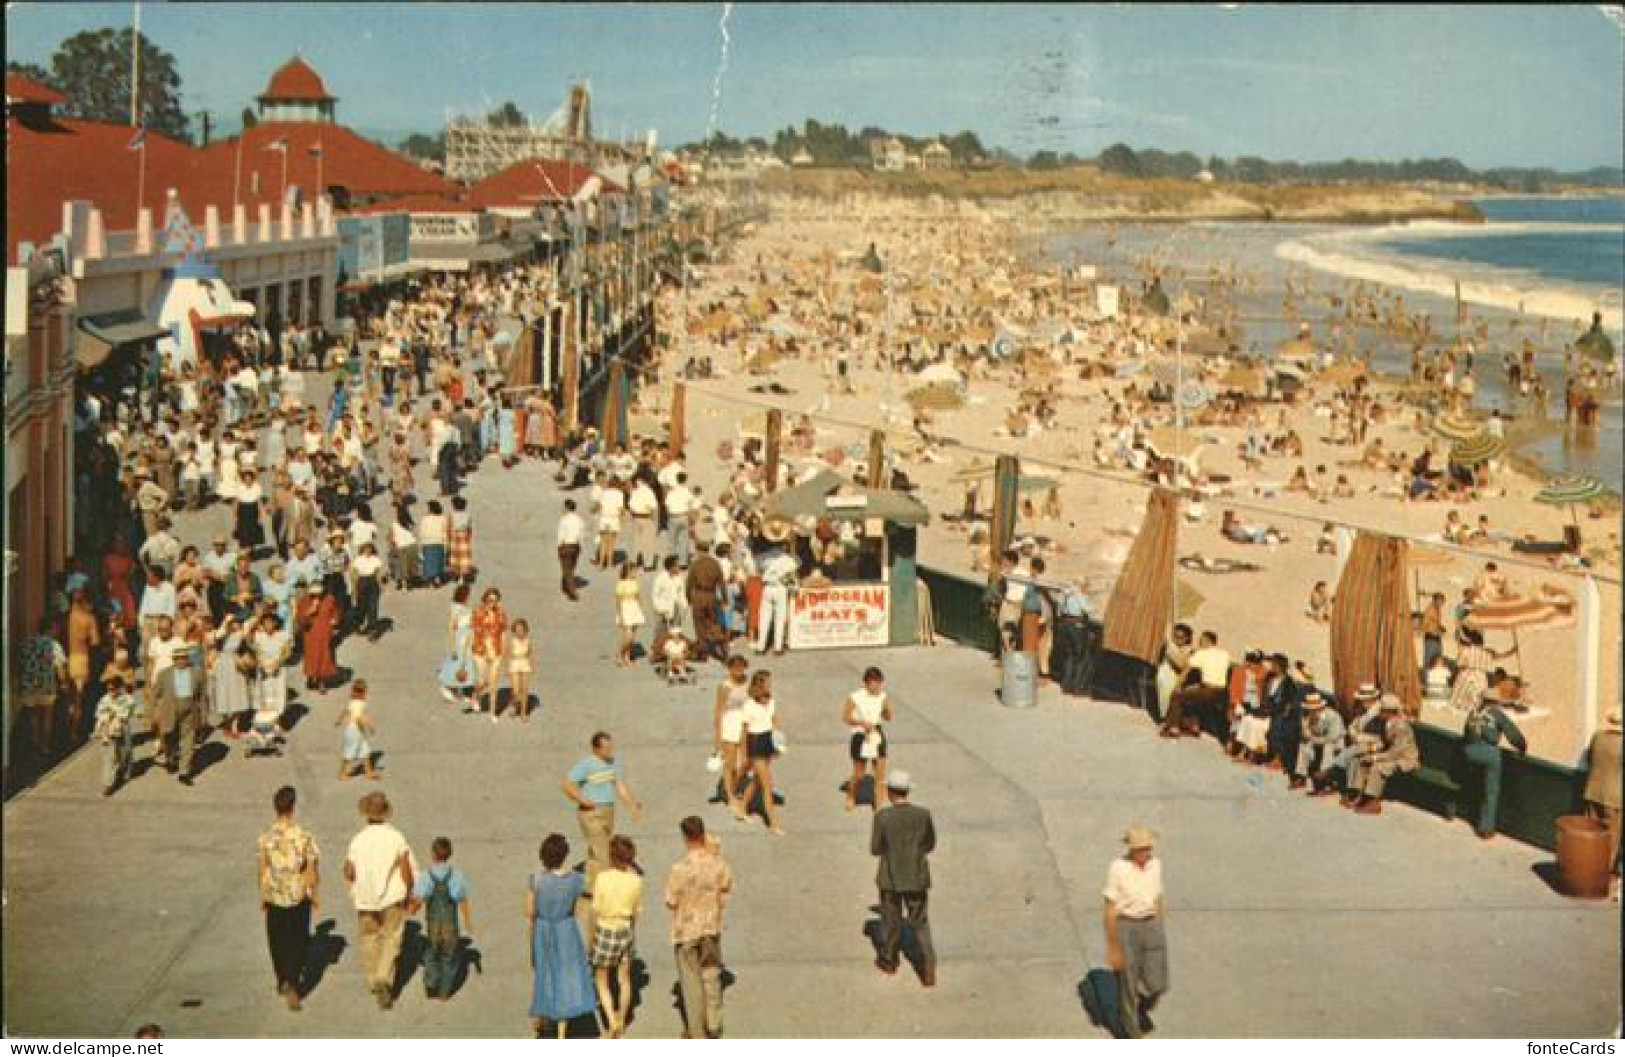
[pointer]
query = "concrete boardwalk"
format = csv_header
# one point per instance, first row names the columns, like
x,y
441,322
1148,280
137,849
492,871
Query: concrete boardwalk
x,y
1286,916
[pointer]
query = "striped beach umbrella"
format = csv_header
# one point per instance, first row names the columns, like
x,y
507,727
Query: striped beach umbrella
x,y
1510,614
1477,450
1570,490
1455,426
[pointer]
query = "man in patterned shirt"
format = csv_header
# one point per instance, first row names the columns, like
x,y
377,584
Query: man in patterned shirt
x,y
40,679
697,890
289,880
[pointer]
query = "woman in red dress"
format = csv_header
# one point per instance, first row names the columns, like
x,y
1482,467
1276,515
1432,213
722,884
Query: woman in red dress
x,y
117,568
317,618
490,625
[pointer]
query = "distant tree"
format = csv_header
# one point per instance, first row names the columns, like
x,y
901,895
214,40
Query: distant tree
x,y
1120,159
964,144
93,70
507,114
421,146
1044,160
31,71
249,118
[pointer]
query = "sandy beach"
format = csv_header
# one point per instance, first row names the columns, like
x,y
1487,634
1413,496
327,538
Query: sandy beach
x,y
767,316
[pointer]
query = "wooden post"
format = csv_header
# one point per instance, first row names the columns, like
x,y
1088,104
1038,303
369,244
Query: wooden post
x,y
770,460
679,409
1006,501
570,351
877,458
613,405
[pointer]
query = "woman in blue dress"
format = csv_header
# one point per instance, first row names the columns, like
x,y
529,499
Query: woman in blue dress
x,y
457,671
507,433
558,959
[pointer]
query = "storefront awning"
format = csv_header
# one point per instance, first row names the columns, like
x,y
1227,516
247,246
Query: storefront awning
x,y
831,496
100,334
461,258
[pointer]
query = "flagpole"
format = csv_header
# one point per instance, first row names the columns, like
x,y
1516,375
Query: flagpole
x,y
135,68
284,153
237,175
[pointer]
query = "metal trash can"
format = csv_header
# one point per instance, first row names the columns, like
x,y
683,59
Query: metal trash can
x,y
1020,680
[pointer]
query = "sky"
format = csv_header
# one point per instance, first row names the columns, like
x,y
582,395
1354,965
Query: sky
x,y
1495,85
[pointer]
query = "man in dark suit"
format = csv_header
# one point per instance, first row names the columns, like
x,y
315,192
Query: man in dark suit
x,y
178,706
902,838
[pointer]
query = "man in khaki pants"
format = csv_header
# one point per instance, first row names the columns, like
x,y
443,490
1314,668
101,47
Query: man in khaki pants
x,y
697,890
382,873
594,784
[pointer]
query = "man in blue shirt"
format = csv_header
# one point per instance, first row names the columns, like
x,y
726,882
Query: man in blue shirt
x,y
595,784
444,893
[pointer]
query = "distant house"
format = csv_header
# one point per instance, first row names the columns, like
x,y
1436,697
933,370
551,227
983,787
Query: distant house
x,y
936,156
911,162
1204,177
892,156
984,162
801,159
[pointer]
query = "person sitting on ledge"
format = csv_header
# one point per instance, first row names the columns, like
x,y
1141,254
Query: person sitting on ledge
x,y
1207,692
1372,765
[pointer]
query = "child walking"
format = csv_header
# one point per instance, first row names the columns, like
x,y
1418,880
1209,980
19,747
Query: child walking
x,y
356,750
443,890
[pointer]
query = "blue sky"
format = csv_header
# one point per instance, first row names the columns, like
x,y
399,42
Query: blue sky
x,y
1524,85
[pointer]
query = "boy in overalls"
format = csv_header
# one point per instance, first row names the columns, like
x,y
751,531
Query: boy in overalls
x,y
443,890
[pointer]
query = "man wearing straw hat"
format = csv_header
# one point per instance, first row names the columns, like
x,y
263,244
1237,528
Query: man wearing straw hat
x,y
1374,765
382,873
1135,945
1323,732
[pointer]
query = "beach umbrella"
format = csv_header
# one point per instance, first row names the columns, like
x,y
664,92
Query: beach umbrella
x,y
1171,443
1193,395
1571,490
937,396
1137,615
1342,372
1454,426
1510,614
1243,379
1477,450
1371,636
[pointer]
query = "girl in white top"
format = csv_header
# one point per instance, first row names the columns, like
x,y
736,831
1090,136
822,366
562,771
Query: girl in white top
x,y
519,666
611,502
865,712
761,717
732,694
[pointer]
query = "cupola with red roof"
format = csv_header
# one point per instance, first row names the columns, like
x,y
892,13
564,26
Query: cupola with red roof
x,y
296,93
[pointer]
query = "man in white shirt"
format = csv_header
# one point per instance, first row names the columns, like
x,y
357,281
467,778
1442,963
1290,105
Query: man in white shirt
x,y
1209,698
568,536
679,505
161,549
644,507
382,873
778,571
1135,946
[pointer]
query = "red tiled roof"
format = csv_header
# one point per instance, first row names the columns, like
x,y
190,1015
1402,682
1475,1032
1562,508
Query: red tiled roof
x,y
530,183
367,170
27,90
64,159
296,82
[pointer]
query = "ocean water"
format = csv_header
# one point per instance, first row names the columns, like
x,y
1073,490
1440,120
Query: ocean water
x,y
1537,268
